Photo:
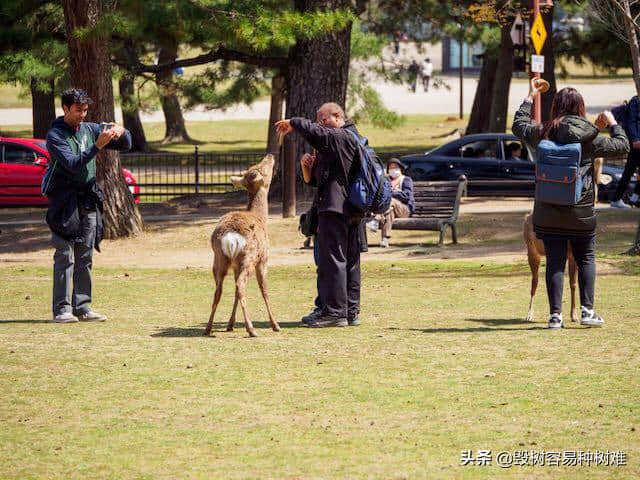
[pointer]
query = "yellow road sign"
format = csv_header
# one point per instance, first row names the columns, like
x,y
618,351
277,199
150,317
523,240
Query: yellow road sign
x,y
538,33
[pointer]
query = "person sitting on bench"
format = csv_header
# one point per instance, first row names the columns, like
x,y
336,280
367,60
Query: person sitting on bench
x,y
402,201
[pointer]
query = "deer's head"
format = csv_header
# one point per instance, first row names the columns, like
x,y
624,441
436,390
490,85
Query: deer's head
x,y
256,177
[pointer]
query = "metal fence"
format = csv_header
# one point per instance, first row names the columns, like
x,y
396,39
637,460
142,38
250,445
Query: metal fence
x,y
162,176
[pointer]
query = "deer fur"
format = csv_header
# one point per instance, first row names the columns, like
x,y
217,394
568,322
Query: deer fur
x,y
240,241
535,252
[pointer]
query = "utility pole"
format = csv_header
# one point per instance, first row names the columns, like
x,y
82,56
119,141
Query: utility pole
x,y
461,71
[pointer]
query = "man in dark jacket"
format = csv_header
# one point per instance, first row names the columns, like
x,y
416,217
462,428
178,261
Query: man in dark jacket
x,y
338,239
75,203
631,126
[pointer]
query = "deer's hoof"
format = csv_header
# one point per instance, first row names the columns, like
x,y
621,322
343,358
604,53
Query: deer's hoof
x,y
529,317
252,333
229,329
276,328
207,332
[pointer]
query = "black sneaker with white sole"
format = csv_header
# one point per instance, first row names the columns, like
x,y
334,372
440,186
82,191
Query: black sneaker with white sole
x,y
555,321
353,321
589,318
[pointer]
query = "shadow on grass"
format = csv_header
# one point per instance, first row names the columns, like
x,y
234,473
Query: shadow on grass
x,y
198,331
499,321
2,322
472,329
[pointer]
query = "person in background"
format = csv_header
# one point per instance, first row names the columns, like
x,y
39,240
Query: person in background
x,y
514,151
402,201
632,128
560,225
427,72
414,71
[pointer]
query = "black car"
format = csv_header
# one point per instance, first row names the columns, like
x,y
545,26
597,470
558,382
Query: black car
x,y
496,164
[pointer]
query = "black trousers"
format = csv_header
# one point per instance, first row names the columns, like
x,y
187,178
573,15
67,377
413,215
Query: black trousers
x,y
633,162
338,264
584,252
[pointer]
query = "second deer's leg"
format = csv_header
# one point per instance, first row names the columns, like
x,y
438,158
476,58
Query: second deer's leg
x,y
534,265
261,274
241,288
220,268
232,319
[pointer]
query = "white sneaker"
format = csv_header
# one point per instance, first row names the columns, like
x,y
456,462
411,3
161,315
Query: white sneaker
x,y
66,317
619,204
384,243
373,225
555,321
92,316
590,319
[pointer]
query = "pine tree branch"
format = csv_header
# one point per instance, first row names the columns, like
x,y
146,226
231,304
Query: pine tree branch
x,y
221,53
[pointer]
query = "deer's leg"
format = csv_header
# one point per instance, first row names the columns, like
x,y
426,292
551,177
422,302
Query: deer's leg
x,y
534,265
261,274
573,282
232,319
220,268
241,287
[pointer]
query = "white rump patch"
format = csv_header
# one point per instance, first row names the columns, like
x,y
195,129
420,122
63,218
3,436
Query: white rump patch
x,y
232,243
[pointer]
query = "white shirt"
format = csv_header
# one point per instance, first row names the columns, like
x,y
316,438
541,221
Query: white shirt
x,y
427,69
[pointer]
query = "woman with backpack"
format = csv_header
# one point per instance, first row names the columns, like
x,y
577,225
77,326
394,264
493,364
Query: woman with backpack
x,y
563,212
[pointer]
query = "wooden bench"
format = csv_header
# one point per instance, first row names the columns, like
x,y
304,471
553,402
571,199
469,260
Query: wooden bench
x,y
437,205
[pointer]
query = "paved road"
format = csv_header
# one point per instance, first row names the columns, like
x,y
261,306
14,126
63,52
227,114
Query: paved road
x,y
597,97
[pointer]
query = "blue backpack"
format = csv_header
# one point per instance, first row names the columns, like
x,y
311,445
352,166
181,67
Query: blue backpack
x,y
558,179
370,189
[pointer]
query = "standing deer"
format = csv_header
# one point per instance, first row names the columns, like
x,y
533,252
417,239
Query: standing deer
x,y
535,252
240,241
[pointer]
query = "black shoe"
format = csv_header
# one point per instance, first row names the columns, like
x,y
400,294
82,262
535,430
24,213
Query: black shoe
x,y
315,313
353,321
328,321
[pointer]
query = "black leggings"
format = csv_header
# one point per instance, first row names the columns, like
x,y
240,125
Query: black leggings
x,y
584,252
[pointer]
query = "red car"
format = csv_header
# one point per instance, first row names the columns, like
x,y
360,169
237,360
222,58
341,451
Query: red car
x,y
23,161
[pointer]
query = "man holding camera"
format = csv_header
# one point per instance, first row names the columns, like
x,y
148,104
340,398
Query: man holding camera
x,y
75,203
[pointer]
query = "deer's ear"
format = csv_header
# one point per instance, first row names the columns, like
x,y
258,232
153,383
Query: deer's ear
x,y
237,182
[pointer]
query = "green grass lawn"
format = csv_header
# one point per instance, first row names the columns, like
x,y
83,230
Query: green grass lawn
x,y
442,363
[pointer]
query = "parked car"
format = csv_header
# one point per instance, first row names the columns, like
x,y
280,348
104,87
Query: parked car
x,y
484,159
23,161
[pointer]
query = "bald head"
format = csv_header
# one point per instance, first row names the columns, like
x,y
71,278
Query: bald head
x,y
330,115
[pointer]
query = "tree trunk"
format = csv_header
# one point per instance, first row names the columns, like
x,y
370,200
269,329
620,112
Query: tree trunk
x,y
43,108
635,61
131,114
275,114
175,127
479,119
91,70
502,84
632,35
549,65
318,73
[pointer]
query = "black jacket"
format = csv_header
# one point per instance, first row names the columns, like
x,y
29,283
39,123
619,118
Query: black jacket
x,y
336,149
632,125
578,220
68,195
